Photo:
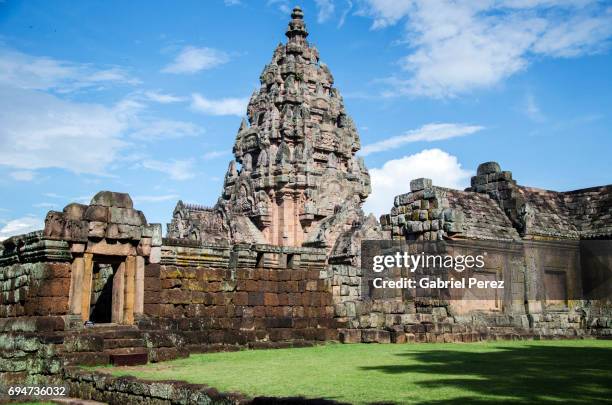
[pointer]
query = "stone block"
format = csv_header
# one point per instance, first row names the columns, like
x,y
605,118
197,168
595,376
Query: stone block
x,y
420,184
96,213
74,211
155,256
125,216
75,230
123,232
375,336
54,225
112,199
97,229
144,247
156,234
487,168
350,335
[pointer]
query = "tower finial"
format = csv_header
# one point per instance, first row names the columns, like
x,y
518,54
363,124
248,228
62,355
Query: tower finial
x,y
297,29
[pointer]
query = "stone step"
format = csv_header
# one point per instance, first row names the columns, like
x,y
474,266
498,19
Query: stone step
x,y
119,334
126,350
118,343
86,358
132,356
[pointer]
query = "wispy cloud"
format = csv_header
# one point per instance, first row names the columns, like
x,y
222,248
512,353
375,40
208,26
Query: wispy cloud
x,y
427,133
31,72
154,198
282,5
192,59
175,169
342,19
52,195
222,106
162,98
20,225
165,129
456,47
22,175
326,10
393,178
42,129
532,110
45,205
213,154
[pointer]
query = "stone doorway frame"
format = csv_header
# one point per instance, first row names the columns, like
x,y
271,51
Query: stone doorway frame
x,y
127,290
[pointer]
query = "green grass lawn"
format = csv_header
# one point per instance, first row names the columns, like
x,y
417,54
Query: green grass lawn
x,y
577,371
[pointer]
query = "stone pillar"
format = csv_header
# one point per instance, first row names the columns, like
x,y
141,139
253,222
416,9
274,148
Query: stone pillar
x,y
75,299
532,296
139,286
118,294
86,285
130,284
286,235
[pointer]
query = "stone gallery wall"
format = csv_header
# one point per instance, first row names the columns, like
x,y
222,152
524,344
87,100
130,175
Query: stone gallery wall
x,y
250,294
34,281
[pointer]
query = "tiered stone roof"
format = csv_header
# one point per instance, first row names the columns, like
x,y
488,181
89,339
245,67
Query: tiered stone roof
x,y
295,168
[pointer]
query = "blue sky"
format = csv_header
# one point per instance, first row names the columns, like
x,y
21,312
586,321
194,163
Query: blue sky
x,y
146,97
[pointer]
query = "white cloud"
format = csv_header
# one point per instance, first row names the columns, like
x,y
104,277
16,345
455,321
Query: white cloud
x,y
326,10
213,154
192,59
41,131
154,198
393,178
176,169
232,2
22,175
18,69
162,98
427,133
283,5
532,110
342,19
455,47
223,106
45,205
20,226
165,129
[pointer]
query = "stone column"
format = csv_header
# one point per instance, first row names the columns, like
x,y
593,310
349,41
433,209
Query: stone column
x,y
139,286
75,299
286,231
86,285
118,294
130,281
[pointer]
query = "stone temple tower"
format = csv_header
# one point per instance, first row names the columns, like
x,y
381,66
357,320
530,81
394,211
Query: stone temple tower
x,y
295,179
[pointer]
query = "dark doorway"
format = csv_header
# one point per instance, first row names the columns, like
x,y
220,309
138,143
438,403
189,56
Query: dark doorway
x,y
101,303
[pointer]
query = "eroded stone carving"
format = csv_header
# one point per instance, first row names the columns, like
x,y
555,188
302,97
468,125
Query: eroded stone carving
x,y
296,152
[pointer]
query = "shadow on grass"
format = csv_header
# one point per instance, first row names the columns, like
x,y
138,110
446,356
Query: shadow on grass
x,y
528,374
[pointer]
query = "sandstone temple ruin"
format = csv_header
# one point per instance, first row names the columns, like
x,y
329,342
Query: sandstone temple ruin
x,y
276,262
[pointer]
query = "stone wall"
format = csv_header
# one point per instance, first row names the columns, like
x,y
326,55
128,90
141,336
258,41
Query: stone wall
x,y
261,293
132,391
34,276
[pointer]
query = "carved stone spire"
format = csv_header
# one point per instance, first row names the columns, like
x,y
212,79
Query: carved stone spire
x,y
296,32
298,181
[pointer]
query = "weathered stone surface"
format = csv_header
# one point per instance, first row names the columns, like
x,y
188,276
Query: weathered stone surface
x,y
420,184
75,211
487,168
112,199
295,179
